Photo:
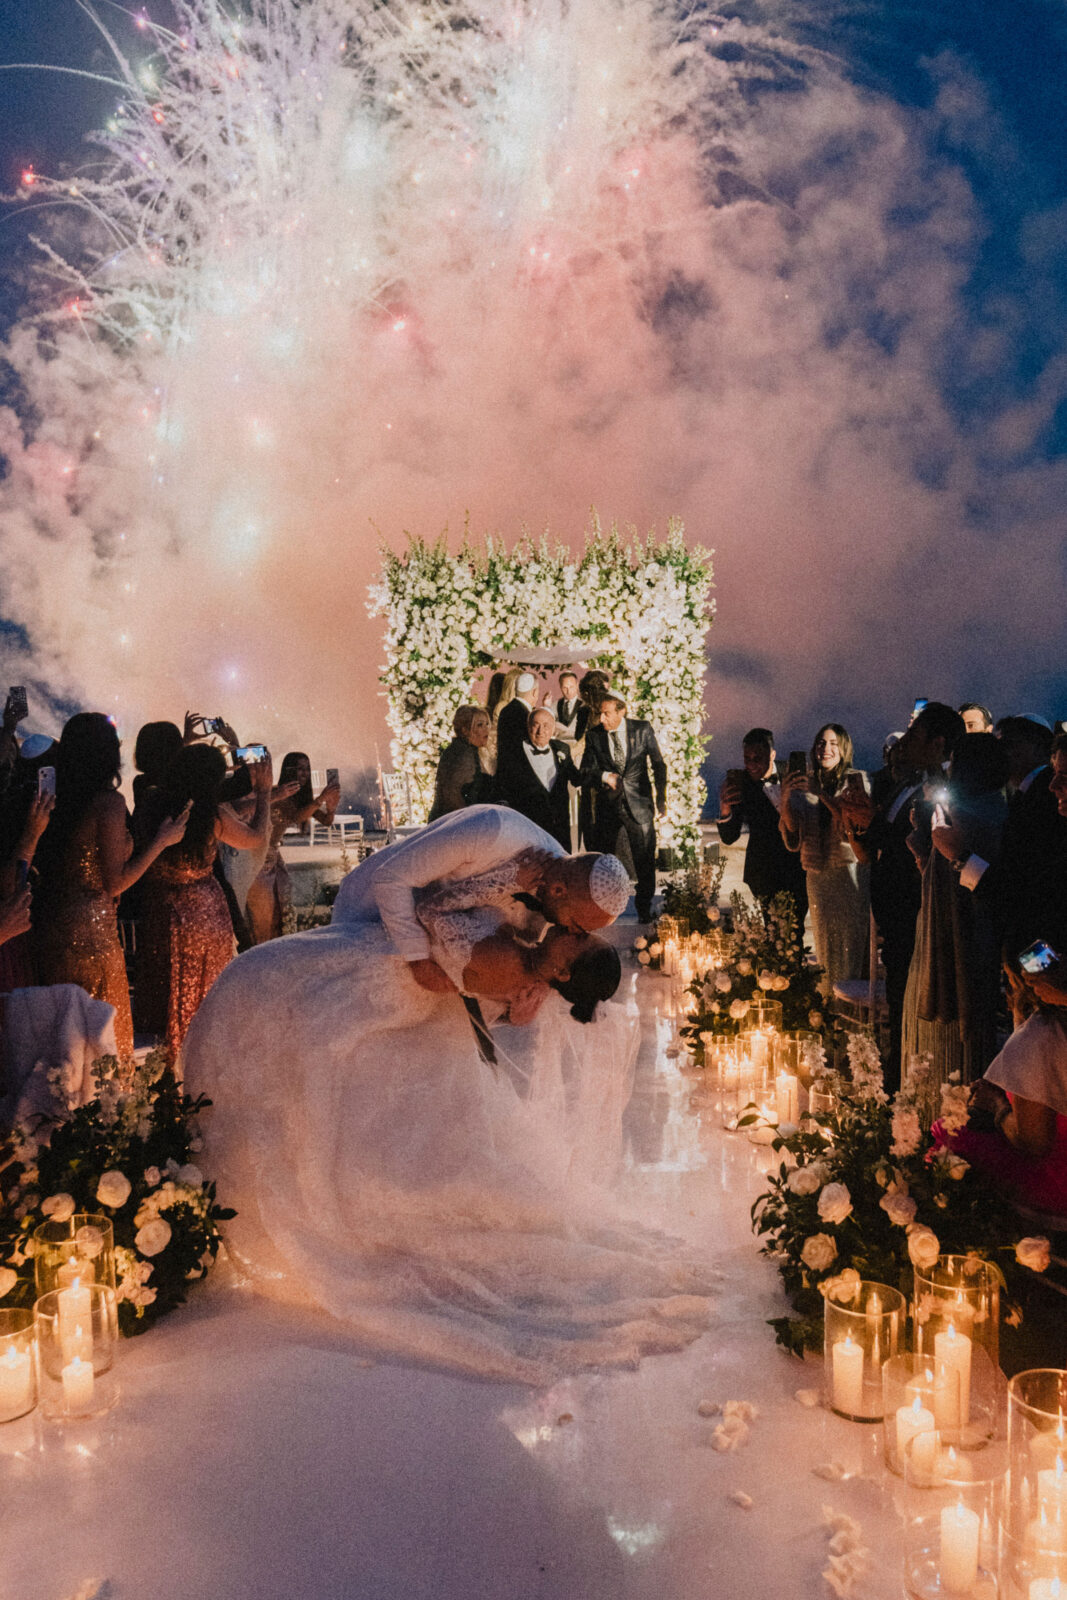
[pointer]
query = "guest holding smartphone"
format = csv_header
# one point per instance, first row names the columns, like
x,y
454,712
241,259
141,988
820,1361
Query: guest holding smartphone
x,y
293,804
814,823
752,794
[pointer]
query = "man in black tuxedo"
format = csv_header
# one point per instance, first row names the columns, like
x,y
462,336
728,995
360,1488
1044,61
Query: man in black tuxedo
x,y
770,868
512,726
537,784
572,716
622,762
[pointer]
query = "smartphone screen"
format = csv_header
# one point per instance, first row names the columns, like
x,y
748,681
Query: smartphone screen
x,y
46,780
938,819
332,778
798,761
920,705
1038,958
734,775
250,753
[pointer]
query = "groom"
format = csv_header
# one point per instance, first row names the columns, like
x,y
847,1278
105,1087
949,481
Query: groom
x,y
582,893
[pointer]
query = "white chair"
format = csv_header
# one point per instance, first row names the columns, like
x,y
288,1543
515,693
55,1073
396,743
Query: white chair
x,y
395,789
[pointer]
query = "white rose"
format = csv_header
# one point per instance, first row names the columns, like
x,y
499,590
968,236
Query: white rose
x,y
738,1009
835,1203
60,1207
113,1189
899,1208
644,958
843,1288
923,1246
744,967
153,1237
781,983
8,1279
766,981
1033,1253
819,1252
640,943
191,1175
151,1176
804,1180
723,982
655,950
815,1019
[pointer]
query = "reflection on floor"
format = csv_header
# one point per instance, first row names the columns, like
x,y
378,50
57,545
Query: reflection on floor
x,y
257,1456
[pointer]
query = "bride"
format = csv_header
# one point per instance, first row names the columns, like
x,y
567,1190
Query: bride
x,y
446,1209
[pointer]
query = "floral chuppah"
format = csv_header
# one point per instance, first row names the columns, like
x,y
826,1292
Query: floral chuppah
x,y
640,608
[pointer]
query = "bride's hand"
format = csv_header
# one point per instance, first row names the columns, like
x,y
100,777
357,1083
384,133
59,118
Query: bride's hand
x,y
428,975
524,1006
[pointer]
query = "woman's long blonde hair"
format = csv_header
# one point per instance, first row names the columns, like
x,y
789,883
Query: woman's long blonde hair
x,y
507,689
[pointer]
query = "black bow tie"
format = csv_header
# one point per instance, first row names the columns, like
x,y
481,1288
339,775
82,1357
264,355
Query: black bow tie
x,y
534,750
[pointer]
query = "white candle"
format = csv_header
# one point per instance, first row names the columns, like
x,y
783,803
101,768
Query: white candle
x,y
1047,1589
941,1390
76,1341
911,1420
1045,1447
954,1349
960,1531
71,1272
1047,1533
75,1309
16,1383
848,1376
787,1097
77,1378
1052,1490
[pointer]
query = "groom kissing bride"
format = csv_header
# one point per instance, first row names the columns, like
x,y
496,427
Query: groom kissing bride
x,y
444,1211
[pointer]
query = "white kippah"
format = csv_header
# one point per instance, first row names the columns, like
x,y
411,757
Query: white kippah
x,y
1034,716
526,682
609,885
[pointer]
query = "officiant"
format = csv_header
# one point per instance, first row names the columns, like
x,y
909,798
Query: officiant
x,y
623,766
537,781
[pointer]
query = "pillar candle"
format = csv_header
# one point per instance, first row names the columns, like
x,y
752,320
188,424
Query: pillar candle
x,y
75,1309
1045,1447
913,1419
960,1531
848,1376
1047,1533
16,1383
1052,1490
70,1272
76,1341
954,1349
787,1097
940,1390
77,1378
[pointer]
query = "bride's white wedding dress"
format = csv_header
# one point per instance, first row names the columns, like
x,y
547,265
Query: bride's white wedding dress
x,y
443,1210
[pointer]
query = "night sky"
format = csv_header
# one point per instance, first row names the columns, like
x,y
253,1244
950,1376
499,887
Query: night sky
x,y
1008,139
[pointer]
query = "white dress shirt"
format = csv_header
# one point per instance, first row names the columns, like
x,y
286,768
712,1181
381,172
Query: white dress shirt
x,y
543,763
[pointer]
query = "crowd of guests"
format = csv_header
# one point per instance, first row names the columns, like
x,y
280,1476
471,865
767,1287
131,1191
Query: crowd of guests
x,y
195,868
574,763
956,848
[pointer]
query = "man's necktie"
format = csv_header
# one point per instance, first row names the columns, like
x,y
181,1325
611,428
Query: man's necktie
x,y
616,750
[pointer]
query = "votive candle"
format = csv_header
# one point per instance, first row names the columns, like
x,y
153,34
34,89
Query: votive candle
x,y
954,1349
77,1378
848,1376
911,1420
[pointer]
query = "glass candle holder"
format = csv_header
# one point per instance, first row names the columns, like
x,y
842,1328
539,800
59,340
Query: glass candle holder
x,y
18,1363
919,1396
794,1053
1029,1570
1037,1441
952,1546
957,1319
765,1013
863,1324
76,1347
786,1095
83,1247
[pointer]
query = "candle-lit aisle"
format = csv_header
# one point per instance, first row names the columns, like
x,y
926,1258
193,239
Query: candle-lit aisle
x,y
255,1454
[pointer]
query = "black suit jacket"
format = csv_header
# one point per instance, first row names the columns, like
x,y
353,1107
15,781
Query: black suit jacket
x,y
644,768
1025,886
574,719
896,882
770,867
549,808
512,726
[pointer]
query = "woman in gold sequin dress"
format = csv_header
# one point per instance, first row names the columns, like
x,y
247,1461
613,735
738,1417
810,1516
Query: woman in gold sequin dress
x,y
85,861
187,934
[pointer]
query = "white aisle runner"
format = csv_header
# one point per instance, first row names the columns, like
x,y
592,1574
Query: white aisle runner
x,y
256,1456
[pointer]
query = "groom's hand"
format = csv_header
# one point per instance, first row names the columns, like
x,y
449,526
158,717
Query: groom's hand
x,y
428,975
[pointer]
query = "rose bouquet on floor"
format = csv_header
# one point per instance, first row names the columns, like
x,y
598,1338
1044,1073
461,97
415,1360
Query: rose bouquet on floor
x,y
863,1194
763,955
128,1152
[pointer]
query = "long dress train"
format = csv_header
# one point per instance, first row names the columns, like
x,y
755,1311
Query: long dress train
x,y
445,1211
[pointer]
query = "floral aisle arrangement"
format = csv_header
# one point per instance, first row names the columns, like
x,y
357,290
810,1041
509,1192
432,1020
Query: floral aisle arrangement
x,y
640,608
763,955
129,1152
690,896
863,1194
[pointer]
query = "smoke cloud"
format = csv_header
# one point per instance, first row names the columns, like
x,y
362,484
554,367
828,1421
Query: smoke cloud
x,y
341,274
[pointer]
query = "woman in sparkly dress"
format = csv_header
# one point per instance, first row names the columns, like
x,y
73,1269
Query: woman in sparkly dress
x,y
187,935
85,861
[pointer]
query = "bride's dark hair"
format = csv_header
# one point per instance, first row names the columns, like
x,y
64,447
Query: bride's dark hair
x,y
595,976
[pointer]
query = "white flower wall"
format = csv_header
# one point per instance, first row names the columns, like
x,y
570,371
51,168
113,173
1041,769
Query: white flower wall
x,y
641,608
